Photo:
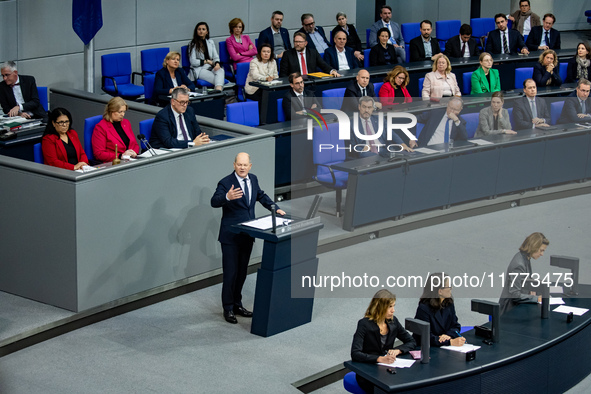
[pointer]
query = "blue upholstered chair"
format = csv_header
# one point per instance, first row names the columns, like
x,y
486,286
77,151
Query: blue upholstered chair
x,y
246,113
146,130
333,98
367,33
42,92
555,111
446,30
481,27
324,158
471,123
351,385
409,31
510,111
149,88
366,57
241,74
521,74
421,80
467,82
185,64
376,87
280,113
226,60
562,67
152,59
89,124
117,78
38,153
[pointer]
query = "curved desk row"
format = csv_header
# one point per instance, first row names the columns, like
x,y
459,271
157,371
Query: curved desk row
x,y
534,355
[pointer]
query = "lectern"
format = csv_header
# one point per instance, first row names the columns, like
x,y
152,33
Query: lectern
x,y
281,301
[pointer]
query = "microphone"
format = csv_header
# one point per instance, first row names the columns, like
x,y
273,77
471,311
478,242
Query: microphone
x,y
143,139
274,220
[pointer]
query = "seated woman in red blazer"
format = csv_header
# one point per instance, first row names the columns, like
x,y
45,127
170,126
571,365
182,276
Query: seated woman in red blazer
x,y
60,144
114,130
394,91
239,46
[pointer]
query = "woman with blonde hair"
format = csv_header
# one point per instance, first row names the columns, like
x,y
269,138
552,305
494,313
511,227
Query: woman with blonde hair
x,y
170,76
440,82
373,341
546,70
394,91
114,130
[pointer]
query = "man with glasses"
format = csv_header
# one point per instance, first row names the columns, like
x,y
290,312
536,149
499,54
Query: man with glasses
x,y
524,19
297,100
544,37
175,126
577,108
18,94
303,59
314,34
396,38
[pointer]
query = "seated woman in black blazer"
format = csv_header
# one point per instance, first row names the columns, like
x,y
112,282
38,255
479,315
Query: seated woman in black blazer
x,y
436,306
580,65
373,341
546,70
383,52
169,77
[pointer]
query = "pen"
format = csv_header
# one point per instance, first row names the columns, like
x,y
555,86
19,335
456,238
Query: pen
x,y
459,336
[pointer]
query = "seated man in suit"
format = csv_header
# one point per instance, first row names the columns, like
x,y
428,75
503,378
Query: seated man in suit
x,y
503,40
462,45
524,19
303,59
297,99
530,111
314,34
577,107
442,125
396,38
544,37
275,35
18,94
424,47
340,56
356,89
175,125
367,125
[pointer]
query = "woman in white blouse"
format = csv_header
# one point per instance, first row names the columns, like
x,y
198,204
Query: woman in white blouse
x,y
441,82
262,68
204,58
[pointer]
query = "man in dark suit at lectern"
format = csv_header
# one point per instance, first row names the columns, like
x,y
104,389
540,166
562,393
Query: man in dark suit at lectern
x,y
237,195
18,94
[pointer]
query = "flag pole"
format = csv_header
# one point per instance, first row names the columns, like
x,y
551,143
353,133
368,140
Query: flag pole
x,y
89,67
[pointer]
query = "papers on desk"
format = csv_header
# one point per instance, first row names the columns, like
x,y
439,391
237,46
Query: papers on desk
x,y
266,222
426,151
319,75
556,290
556,301
148,153
400,363
86,169
465,348
479,141
270,83
569,309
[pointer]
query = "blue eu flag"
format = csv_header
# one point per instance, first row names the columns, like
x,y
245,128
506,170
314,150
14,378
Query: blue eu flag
x,y
87,18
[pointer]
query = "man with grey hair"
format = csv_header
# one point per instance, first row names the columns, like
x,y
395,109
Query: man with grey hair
x,y
18,94
368,125
442,124
314,34
175,126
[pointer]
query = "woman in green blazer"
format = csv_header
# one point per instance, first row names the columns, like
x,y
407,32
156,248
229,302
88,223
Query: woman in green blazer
x,y
485,78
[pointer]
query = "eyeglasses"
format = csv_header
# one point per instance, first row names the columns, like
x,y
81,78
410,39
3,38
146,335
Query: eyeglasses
x,y
309,24
183,103
299,42
64,123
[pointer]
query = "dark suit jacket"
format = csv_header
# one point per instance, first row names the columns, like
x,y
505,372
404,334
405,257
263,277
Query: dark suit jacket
x,y
163,82
164,130
571,71
290,102
494,44
237,211
431,120
266,37
290,62
30,95
353,40
377,58
331,58
513,292
453,47
541,76
417,49
572,107
352,95
442,321
311,44
383,151
535,37
367,346
522,115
